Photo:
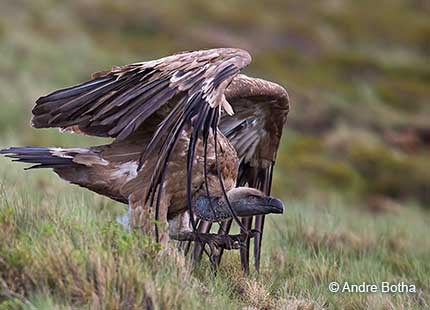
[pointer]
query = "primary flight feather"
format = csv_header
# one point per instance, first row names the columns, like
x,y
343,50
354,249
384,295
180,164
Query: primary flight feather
x,y
195,143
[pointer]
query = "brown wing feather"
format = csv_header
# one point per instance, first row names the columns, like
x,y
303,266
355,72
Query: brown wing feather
x,y
261,109
255,129
115,103
170,93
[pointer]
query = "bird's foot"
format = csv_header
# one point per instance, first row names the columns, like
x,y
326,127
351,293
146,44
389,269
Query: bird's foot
x,y
216,242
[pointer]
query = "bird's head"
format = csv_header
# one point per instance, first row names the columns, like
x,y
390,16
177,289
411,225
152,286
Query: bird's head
x,y
254,200
245,201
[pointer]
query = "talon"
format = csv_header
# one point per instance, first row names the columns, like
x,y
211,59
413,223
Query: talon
x,y
228,242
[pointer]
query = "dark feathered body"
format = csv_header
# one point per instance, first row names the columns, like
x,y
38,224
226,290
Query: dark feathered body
x,y
185,126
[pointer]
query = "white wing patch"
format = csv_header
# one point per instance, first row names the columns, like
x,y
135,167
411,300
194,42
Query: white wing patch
x,y
127,170
57,152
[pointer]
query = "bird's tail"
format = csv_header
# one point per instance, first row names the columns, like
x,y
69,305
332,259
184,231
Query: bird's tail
x,y
42,157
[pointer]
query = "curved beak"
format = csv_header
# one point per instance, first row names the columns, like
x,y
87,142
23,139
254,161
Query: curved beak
x,y
275,205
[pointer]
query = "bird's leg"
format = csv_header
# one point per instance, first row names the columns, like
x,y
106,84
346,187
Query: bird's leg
x,y
216,242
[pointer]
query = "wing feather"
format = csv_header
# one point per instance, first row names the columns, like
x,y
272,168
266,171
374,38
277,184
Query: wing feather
x,y
168,94
173,92
116,103
261,109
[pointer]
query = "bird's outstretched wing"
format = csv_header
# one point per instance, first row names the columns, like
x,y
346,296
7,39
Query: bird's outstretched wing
x,y
255,129
116,102
167,95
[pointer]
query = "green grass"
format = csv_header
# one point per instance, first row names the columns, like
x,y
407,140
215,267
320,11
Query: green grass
x,y
354,72
61,248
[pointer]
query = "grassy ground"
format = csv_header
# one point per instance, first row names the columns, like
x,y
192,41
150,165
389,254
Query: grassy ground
x,y
357,142
61,248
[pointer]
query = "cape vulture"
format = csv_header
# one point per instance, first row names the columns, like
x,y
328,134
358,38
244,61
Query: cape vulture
x,y
194,143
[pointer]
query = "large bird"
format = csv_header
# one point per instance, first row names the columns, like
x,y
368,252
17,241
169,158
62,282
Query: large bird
x,y
194,143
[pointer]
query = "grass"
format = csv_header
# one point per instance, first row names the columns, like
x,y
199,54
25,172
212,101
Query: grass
x,y
353,79
61,248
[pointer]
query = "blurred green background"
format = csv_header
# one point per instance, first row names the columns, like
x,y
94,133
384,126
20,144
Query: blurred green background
x,y
358,77
357,143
